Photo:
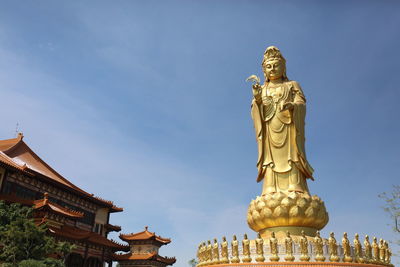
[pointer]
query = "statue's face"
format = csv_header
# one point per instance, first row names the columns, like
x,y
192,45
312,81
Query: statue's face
x,y
274,68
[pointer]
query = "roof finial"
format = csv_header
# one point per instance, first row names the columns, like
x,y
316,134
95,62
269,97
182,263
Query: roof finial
x,y
46,197
16,129
146,227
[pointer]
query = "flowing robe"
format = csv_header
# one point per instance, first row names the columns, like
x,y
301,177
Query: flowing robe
x,y
282,162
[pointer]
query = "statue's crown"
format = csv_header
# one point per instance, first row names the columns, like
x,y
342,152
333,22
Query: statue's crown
x,y
272,52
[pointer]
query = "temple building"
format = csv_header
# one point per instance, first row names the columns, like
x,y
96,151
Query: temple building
x,y
144,247
71,213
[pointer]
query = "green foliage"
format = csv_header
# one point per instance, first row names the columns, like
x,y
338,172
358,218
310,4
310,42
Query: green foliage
x,y
23,242
392,206
192,262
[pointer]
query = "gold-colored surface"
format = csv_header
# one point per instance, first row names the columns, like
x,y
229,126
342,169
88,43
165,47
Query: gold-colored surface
x,y
332,244
235,250
358,251
246,249
294,212
260,249
304,247
224,251
278,111
273,245
375,251
301,249
289,247
215,252
368,250
346,249
319,248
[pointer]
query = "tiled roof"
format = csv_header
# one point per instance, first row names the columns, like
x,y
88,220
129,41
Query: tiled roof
x,y
148,256
88,236
42,204
17,154
144,235
46,204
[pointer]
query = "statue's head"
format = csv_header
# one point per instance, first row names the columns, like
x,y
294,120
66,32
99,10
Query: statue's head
x,y
345,235
245,236
274,64
287,233
356,236
331,234
273,234
224,238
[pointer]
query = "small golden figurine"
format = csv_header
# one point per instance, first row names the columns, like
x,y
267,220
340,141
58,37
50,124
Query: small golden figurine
x,y
246,249
346,249
199,255
235,250
319,244
375,251
209,253
224,251
260,249
273,244
333,253
304,247
358,251
289,247
215,252
205,253
388,253
382,251
368,250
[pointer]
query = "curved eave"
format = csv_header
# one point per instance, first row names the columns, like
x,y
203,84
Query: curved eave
x,y
10,145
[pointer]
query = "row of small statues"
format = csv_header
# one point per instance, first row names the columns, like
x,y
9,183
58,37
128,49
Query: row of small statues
x,y
373,253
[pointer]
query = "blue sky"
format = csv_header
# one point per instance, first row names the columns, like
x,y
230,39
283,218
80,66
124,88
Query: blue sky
x,y
145,103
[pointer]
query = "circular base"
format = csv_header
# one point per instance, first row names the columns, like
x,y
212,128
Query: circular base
x,y
283,209
293,230
297,264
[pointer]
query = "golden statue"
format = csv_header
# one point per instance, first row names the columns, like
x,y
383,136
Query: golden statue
x,y
375,250
319,247
209,253
278,110
304,247
200,254
289,247
346,249
215,252
368,250
358,251
224,251
333,253
260,249
382,251
235,250
388,253
246,249
273,244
